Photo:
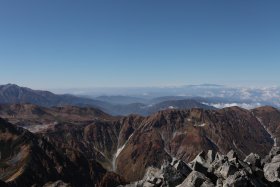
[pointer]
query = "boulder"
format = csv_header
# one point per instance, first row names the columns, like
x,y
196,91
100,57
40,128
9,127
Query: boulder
x,y
219,161
200,168
211,156
245,166
266,160
169,175
206,159
272,169
231,155
200,158
226,170
253,160
274,151
219,182
181,167
195,179
175,173
240,178
153,182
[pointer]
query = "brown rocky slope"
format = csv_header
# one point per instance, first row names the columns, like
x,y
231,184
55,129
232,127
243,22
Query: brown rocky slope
x,y
129,145
28,160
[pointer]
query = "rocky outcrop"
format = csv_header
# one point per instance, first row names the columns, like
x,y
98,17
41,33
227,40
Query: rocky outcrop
x,y
211,169
170,174
272,165
196,179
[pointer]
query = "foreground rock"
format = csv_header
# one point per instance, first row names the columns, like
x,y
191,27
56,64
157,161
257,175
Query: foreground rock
x,y
272,165
213,169
196,179
57,184
170,174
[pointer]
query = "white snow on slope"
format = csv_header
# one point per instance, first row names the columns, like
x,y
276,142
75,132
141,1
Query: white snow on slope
x,y
200,125
119,150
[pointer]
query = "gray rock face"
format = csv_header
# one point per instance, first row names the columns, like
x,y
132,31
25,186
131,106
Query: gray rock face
x,y
271,164
195,179
204,159
213,169
181,167
175,173
231,155
239,178
197,166
275,151
272,169
169,175
226,170
254,160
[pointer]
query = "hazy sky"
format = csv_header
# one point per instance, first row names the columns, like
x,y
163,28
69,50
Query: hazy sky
x,y
88,43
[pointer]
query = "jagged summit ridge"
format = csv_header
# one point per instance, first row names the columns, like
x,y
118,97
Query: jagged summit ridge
x,y
215,170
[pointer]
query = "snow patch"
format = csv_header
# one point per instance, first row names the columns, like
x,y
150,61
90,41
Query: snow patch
x,y
200,125
118,152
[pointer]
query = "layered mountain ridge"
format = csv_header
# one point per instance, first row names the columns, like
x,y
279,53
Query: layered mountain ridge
x,y
129,145
13,94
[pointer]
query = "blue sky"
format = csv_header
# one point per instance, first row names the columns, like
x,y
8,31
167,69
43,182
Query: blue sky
x,y
79,44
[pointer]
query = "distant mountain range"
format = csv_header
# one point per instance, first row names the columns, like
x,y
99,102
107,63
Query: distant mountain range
x,y
216,95
12,93
115,105
193,96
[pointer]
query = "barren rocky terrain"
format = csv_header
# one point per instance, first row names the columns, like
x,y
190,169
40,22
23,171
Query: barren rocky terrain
x,y
41,145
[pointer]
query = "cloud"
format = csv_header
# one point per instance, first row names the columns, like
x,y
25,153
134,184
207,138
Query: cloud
x,y
242,105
